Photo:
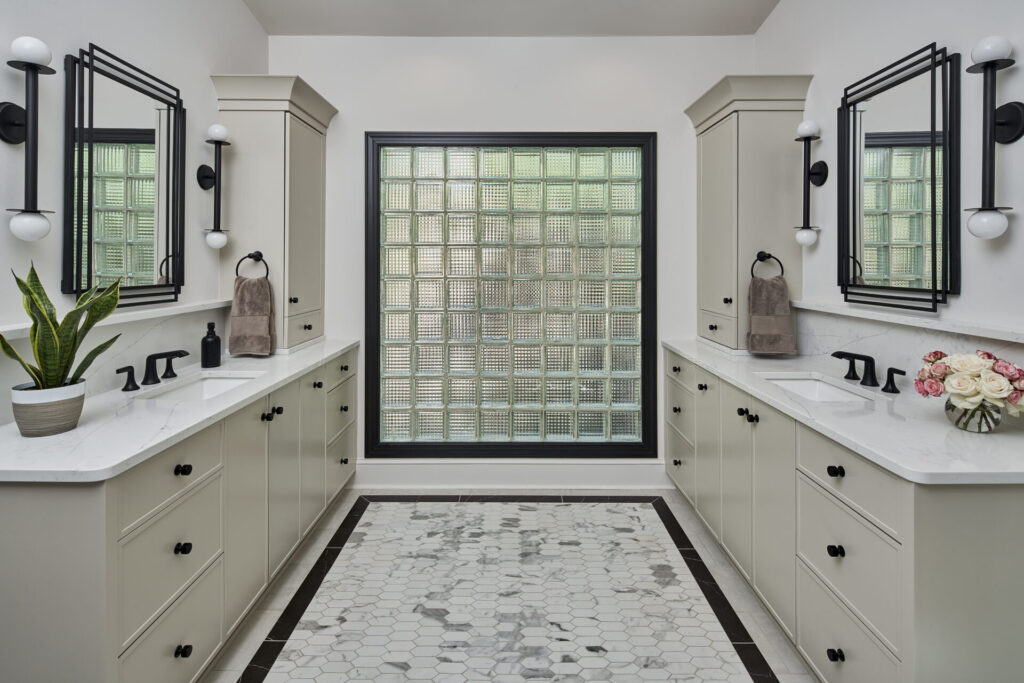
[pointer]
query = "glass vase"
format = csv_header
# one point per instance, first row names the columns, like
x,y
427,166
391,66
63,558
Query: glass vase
x,y
983,418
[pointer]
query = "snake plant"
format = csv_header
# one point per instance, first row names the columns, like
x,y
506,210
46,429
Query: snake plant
x,y
55,342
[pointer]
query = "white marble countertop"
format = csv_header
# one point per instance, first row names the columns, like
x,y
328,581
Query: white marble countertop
x,y
116,432
906,434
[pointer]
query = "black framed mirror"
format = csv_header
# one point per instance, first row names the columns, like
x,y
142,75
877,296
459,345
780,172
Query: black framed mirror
x,y
124,170
899,183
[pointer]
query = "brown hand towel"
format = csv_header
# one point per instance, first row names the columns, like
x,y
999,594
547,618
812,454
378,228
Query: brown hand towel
x,y
252,318
772,327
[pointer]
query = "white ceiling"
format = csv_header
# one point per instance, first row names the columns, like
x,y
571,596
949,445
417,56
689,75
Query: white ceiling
x,y
511,17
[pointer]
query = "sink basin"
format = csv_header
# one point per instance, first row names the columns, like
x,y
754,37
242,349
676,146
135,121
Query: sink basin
x,y
198,387
817,387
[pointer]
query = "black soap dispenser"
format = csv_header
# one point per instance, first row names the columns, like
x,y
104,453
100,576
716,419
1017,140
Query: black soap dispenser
x,y
210,348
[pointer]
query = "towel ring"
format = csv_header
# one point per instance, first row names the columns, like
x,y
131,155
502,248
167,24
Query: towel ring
x,y
763,256
255,256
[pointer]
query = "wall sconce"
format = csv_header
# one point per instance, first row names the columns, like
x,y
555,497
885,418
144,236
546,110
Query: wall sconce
x,y
816,174
217,135
18,125
1003,124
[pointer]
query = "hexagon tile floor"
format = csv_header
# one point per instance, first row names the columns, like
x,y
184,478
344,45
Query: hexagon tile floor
x,y
509,591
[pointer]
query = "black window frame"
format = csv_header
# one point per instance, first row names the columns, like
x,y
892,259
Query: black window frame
x,y
647,447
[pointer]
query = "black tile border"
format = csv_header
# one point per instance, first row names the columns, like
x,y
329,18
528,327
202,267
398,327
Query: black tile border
x,y
751,656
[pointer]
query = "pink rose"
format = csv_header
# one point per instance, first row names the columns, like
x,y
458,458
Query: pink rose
x,y
934,356
985,354
939,370
924,373
1014,397
1006,369
919,388
934,387
1019,384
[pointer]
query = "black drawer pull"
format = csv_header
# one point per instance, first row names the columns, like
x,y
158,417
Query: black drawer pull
x,y
267,417
344,368
676,409
712,327
676,368
307,327
182,470
293,299
182,548
183,651
344,409
677,463
702,387
742,411
344,461
727,300
835,551
836,471
318,385
753,418
277,410
835,655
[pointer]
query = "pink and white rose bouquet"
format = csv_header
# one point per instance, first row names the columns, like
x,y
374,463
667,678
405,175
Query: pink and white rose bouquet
x,y
973,381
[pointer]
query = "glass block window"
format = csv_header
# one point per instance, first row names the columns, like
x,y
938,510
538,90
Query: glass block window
x,y
897,204
510,285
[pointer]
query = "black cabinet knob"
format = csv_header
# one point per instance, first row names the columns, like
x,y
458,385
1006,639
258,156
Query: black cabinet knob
x,y
712,327
676,368
727,300
676,409
702,387
753,418
277,410
182,548
835,655
267,417
344,461
836,471
182,470
318,385
307,326
344,368
344,409
677,463
835,551
742,411
293,299
183,651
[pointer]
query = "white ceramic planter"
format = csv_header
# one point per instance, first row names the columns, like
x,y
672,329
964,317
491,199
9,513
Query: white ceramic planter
x,y
44,412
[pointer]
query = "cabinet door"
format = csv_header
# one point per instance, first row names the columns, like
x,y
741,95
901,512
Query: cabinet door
x,y
737,477
245,509
709,451
774,437
716,232
305,241
283,471
341,461
679,461
312,447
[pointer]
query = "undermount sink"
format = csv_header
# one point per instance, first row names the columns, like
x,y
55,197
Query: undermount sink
x,y
817,387
198,387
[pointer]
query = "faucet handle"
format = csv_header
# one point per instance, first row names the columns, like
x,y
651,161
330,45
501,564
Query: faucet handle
x,y
169,372
890,380
851,370
129,384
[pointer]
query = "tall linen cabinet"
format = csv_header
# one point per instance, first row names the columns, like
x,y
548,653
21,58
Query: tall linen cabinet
x,y
274,191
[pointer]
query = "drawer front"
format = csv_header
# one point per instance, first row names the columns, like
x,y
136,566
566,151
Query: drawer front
x,y
718,328
341,408
680,369
341,368
302,328
149,485
824,624
880,496
679,409
680,463
150,572
867,570
193,620
341,461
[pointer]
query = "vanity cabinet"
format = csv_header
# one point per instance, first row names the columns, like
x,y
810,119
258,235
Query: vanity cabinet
x,y
312,449
680,422
284,477
708,450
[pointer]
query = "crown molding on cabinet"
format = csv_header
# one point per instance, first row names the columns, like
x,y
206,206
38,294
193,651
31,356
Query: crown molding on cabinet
x,y
274,93
749,93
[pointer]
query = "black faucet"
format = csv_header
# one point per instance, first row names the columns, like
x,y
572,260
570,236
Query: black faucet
x,y
869,367
890,381
151,376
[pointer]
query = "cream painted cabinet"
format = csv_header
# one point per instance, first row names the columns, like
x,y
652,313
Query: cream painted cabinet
x,y
680,419
312,448
737,476
284,485
716,265
708,484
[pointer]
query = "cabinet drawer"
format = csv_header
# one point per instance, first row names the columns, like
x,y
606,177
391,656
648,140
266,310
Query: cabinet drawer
x,y
341,368
679,409
150,572
680,463
880,496
148,485
302,328
193,621
341,408
680,369
824,624
717,328
867,571
341,461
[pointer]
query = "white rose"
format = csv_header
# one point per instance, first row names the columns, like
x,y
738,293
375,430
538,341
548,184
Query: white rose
x,y
962,383
968,362
992,385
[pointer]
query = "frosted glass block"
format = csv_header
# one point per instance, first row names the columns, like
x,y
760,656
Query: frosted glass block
x,y
625,293
527,262
494,162
525,359
495,359
428,162
906,195
396,360
593,163
462,391
461,261
526,196
592,391
396,392
558,293
526,293
395,426
429,326
429,293
526,229
429,195
876,162
559,326
526,163
876,196
461,195
908,162
558,261
141,226
905,260
396,327
906,227
462,228
926,191
592,358
396,162
396,228
462,425
526,425
594,228
494,196
625,391
494,261
396,195
140,259
108,225
108,193
626,162
559,197
461,162
428,261
429,359
560,163
429,425
591,425
592,196
494,391
396,294
494,228
625,426
141,193
494,293
558,229
592,326
876,227
429,228
109,259
625,261
558,392
462,294
494,326
462,358
462,326
429,391
876,261
526,391
494,425
593,261
559,425
558,359
593,294
109,158
395,261
526,326
625,196
626,229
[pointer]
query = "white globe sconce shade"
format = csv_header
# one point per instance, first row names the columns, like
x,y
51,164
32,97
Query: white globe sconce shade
x,y
217,133
987,224
30,226
991,49
808,129
805,237
31,51
216,239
